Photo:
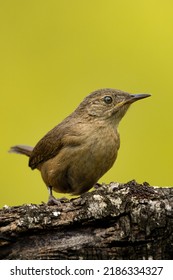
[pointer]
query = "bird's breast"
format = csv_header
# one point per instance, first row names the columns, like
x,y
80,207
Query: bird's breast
x,y
104,146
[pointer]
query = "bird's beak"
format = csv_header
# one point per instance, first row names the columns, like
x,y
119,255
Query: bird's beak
x,y
132,98
135,97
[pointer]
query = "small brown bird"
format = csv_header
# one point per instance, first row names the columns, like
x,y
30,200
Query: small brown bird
x,y
83,147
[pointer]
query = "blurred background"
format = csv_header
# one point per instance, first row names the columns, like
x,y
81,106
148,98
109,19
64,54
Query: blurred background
x,y
54,53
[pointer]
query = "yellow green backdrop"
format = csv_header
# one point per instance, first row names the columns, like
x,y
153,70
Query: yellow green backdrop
x,y
53,53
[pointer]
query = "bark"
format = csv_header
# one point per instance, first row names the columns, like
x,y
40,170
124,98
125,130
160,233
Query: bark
x,y
115,221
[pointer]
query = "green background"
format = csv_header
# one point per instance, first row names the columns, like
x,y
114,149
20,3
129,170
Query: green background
x,y
53,53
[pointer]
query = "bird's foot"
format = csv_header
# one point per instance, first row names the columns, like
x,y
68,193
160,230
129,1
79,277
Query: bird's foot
x,y
56,201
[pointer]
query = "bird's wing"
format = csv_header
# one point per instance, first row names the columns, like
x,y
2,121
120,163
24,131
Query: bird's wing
x,y
46,148
64,134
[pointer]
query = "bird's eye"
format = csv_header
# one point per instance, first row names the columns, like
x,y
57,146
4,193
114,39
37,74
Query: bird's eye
x,y
108,99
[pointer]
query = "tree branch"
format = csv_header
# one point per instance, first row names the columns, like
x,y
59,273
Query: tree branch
x,y
116,221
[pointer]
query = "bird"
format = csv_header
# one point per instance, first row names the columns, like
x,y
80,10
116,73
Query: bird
x,y
77,152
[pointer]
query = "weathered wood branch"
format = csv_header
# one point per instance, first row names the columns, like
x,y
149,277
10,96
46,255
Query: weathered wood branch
x,y
116,221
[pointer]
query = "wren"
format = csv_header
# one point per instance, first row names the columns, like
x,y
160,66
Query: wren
x,y
77,152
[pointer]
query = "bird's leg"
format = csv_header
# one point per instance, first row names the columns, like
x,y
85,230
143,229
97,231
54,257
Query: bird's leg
x,y
52,200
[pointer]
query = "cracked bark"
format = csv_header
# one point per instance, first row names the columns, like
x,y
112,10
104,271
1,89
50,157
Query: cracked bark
x,y
116,221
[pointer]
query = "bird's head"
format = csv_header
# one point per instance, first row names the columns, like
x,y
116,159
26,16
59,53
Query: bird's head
x,y
109,104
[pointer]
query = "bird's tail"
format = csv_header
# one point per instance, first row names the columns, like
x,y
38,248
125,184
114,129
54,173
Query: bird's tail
x,y
21,149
